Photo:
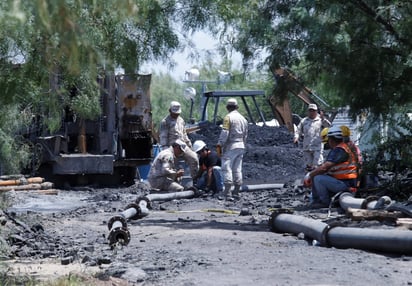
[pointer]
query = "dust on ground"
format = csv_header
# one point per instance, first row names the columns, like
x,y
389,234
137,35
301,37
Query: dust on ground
x,y
196,241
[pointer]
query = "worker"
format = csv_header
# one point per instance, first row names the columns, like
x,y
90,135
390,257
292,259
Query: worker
x,y
309,128
337,174
172,128
209,177
163,174
324,138
346,133
231,145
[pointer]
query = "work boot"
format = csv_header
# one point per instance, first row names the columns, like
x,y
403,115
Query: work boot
x,y
317,205
236,191
218,195
228,192
230,199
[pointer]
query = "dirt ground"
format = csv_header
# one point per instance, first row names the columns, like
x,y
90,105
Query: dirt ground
x,y
193,241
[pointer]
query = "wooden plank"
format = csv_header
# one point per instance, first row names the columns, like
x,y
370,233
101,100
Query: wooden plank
x,y
22,181
405,222
360,214
45,192
42,186
20,188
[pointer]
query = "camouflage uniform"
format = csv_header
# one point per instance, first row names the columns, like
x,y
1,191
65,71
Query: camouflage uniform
x,y
310,130
172,129
232,139
162,174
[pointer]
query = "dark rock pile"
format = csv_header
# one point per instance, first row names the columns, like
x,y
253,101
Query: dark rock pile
x,y
33,241
271,156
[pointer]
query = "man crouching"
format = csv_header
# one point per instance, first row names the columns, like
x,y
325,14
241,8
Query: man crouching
x,y
163,174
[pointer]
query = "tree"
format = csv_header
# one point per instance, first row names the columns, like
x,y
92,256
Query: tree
x,y
165,88
359,49
50,49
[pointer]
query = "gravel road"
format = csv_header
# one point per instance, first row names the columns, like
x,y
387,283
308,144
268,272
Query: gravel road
x,y
193,241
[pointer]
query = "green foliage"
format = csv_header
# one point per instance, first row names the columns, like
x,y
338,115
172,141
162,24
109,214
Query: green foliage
x,y
69,280
86,100
394,152
358,50
353,53
49,48
14,153
165,89
7,279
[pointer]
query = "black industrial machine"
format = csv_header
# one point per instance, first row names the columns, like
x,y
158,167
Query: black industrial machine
x,y
105,151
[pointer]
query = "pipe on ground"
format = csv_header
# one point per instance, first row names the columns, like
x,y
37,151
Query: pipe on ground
x,y
118,231
347,200
171,196
193,193
258,187
381,240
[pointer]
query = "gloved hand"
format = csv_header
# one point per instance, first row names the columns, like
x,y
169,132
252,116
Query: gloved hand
x,y
180,173
307,181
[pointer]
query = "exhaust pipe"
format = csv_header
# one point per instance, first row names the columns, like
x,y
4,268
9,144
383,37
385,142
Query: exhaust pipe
x,y
380,240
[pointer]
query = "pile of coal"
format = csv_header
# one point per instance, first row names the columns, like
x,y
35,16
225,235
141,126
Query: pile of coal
x,y
270,157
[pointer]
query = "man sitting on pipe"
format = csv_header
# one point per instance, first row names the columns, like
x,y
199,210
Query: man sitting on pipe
x,y
163,174
337,174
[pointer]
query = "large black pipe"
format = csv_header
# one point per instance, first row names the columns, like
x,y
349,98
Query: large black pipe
x,y
381,240
347,200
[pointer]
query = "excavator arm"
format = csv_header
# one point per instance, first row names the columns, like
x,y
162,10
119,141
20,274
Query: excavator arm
x,y
279,101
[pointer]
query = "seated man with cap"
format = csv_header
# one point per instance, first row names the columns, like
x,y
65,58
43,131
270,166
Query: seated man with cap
x,y
164,174
172,128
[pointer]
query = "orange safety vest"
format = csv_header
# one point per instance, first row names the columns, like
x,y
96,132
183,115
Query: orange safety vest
x,y
345,170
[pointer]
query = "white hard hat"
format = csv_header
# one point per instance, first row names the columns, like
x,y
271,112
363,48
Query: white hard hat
x,y
181,144
312,106
231,102
335,132
175,107
198,145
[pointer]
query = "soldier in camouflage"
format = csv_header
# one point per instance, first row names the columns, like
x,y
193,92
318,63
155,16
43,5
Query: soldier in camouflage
x,y
232,142
164,174
172,128
310,129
